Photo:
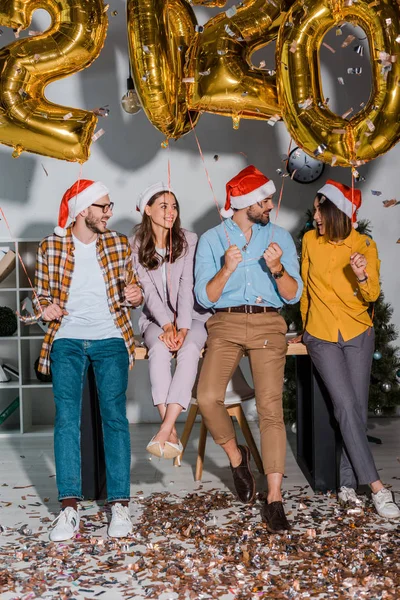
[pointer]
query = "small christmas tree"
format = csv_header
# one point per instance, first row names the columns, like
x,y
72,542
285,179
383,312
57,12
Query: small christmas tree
x,y
384,392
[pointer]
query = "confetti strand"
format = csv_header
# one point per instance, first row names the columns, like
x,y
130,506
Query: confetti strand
x,y
209,180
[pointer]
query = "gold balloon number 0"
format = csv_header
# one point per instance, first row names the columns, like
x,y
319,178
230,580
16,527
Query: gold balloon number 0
x,y
376,128
28,121
181,70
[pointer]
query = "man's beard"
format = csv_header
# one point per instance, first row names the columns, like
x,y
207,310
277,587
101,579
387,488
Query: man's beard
x,y
92,224
262,219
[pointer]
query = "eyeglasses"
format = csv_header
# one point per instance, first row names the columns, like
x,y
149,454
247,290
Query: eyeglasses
x,y
105,207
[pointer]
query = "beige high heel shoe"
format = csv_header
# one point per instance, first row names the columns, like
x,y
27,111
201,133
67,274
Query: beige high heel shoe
x,y
155,448
172,450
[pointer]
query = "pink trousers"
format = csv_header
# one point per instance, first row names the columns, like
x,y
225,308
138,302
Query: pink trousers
x,y
177,388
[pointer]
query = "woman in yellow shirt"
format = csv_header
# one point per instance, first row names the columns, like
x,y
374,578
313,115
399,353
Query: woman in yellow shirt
x,y
340,271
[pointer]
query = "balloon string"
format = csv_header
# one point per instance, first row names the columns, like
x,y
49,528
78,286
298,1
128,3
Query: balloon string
x,y
169,279
30,318
209,180
352,214
281,192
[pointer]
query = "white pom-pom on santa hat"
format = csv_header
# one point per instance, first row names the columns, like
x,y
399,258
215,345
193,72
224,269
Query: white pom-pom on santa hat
x,y
345,198
246,188
79,196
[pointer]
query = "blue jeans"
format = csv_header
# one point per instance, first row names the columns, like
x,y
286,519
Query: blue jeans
x,y
70,360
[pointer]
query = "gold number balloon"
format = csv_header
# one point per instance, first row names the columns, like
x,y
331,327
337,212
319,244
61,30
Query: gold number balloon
x,y
73,41
159,34
217,77
225,81
312,125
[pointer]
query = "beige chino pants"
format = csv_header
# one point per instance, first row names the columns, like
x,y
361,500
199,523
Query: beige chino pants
x,y
262,337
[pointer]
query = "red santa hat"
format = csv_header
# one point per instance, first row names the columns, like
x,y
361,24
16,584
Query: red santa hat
x,y
81,195
345,198
246,188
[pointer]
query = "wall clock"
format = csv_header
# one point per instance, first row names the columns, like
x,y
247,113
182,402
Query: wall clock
x,y
304,168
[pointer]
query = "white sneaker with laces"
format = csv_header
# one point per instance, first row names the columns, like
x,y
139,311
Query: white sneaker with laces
x,y
348,497
385,505
121,524
65,525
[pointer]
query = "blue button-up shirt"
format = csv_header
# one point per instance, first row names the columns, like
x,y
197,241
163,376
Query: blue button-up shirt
x,y
252,282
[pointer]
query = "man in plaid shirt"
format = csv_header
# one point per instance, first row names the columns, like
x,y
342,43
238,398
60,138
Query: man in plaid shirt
x,y
80,275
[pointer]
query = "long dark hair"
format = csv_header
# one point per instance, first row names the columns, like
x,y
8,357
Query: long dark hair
x,y
337,224
145,240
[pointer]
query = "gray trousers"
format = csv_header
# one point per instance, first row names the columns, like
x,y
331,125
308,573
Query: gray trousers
x,y
345,368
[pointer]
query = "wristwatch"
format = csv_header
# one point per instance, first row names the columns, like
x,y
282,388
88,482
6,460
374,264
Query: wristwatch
x,y
279,274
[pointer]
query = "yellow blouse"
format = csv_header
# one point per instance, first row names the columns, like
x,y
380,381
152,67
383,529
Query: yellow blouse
x,y
332,298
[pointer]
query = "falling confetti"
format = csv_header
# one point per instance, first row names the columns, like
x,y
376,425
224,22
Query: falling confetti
x,y
376,193
354,70
293,46
329,47
319,150
67,116
348,41
347,113
340,80
390,203
43,167
306,104
188,80
231,12
97,135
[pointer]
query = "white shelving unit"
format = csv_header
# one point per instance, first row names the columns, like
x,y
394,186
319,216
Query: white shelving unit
x,y
36,407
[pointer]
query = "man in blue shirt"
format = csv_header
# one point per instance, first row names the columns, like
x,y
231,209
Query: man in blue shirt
x,y
246,269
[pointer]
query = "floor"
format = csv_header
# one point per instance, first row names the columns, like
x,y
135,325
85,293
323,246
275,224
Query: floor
x,y
193,540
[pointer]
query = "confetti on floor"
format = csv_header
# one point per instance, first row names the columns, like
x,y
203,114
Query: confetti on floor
x,y
207,545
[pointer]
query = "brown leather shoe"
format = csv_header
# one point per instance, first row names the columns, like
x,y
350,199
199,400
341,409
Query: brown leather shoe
x,y
243,479
273,515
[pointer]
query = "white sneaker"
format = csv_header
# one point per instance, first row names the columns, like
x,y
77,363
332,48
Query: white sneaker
x,y
121,524
348,497
65,525
384,504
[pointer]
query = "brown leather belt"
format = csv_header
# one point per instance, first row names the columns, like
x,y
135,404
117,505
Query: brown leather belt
x,y
247,308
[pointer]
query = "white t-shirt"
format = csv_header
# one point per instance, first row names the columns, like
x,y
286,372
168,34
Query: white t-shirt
x,y
89,316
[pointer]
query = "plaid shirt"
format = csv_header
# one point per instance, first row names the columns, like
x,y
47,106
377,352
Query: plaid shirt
x,y
53,276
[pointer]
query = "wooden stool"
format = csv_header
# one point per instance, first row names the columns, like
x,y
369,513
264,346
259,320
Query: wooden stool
x,y
237,391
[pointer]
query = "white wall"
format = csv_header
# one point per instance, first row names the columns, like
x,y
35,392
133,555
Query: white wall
x,y
129,157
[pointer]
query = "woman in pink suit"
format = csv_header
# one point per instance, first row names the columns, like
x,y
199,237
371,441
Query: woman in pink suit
x,y
163,255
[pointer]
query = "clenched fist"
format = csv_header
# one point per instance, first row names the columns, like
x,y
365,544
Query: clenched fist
x,y
272,257
233,257
53,312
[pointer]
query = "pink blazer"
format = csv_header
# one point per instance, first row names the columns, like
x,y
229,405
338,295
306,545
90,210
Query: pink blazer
x,y
180,287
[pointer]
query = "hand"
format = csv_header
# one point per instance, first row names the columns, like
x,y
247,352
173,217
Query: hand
x,y
296,340
168,337
53,312
233,257
358,263
180,338
272,257
133,294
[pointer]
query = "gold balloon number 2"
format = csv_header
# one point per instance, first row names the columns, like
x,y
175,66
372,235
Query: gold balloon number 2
x,y
28,121
181,70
